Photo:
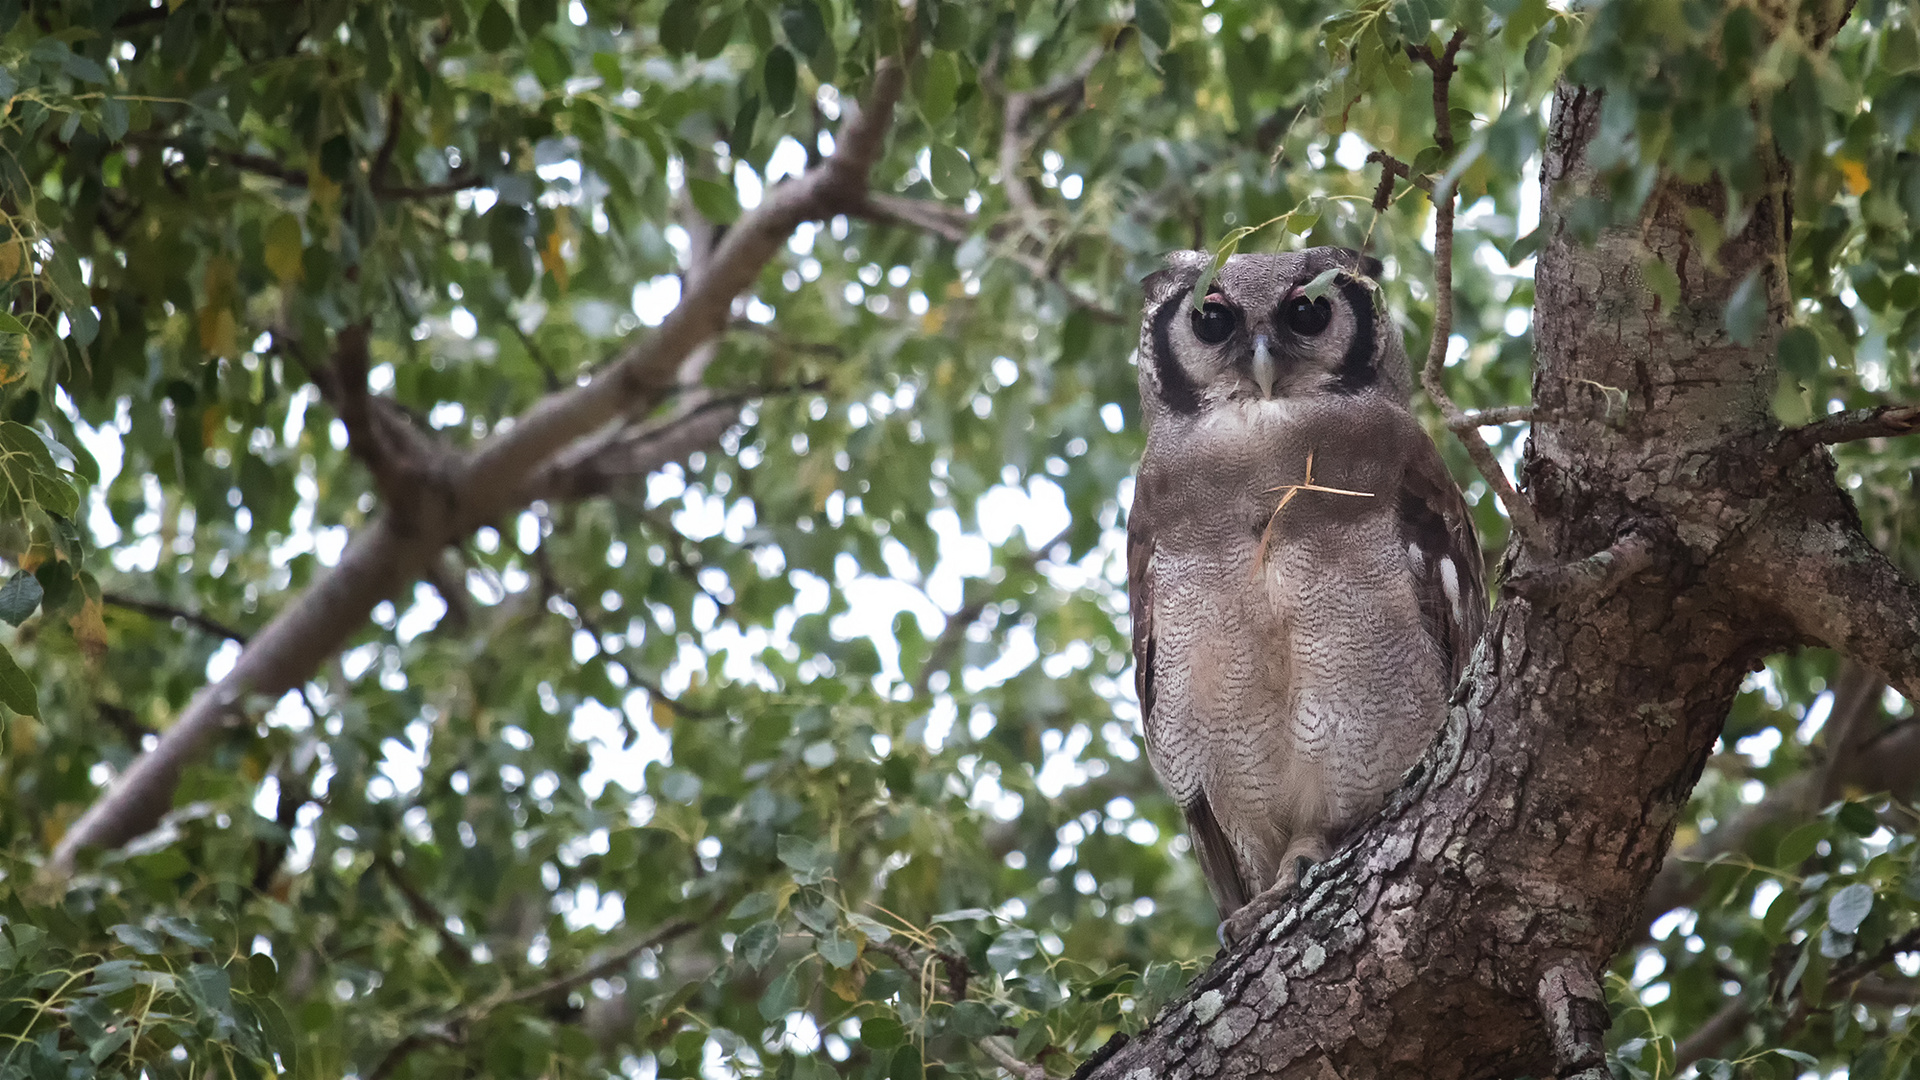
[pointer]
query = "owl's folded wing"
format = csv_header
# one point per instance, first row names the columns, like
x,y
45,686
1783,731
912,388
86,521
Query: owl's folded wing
x,y
1217,864
1448,577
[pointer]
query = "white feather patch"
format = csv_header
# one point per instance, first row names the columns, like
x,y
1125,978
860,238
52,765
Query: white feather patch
x,y
1450,581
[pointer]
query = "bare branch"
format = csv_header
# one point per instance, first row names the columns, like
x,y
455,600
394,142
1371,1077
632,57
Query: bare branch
x,y
168,611
955,226
1840,591
1594,577
611,964
1707,1040
1494,417
597,466
423,910
1858,758
1518,509
1003,1056
955,632
489,483
1880,422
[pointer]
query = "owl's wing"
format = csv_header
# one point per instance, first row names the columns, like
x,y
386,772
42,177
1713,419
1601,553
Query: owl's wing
x,y
1444,552
1209,841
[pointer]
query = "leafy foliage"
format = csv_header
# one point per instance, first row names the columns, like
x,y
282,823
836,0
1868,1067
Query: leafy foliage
x,y
813,755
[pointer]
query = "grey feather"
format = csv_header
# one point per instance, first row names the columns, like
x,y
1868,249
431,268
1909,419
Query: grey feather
x,y
1293,651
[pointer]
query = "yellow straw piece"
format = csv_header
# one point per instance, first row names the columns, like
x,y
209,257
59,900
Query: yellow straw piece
x,y
1291,490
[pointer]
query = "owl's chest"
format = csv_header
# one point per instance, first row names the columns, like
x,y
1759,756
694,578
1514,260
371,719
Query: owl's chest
x,y
1264,470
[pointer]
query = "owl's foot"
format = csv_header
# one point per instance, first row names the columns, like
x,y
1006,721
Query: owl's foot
x,y
1241,924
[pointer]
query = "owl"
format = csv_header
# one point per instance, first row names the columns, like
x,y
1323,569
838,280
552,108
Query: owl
x,y
1304,578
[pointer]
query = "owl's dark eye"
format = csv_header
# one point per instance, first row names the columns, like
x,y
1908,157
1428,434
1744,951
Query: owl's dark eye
x,y
1307,317
1214,323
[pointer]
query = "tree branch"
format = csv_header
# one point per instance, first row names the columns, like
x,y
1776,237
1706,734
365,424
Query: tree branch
x,y
1859,759
1880,422
1463,426
1594,577
161,610
486,484
451,1029
1840,591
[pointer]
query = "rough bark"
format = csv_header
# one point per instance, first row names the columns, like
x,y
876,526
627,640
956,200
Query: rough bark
x,y
1460,933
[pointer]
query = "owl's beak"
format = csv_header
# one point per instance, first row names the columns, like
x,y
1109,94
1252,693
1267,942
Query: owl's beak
x,y
1264,366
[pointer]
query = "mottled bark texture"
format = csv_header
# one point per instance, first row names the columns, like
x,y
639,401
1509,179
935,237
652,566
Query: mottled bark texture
x,y
1460,934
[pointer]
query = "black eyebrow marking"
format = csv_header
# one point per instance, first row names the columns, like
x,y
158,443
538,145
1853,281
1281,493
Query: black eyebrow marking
x,y
1176,387
1357,370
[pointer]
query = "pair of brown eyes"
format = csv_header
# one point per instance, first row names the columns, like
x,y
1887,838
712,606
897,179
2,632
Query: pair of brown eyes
x,y
1216,322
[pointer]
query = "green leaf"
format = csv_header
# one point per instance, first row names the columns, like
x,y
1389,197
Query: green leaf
x,y
837,950
1321,285
16,690
811,862
782,996
536,15
1799,845
715,199
1007,950
805,27
495,31
882,1033
778,77
938,88
11,325
757,944
1858,818
1849,907
19,597
1151,17
680,26
972,1020
138,938
1800,353
952,172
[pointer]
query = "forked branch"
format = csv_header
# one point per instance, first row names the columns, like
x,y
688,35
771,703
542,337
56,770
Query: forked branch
x,y
484,486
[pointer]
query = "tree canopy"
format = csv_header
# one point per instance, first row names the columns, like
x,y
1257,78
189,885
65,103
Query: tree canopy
x,y
587,539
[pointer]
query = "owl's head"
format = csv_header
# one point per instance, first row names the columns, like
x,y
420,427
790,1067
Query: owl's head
x,y
1257,335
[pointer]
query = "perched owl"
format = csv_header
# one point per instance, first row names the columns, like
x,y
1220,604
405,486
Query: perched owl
x,y
1305,581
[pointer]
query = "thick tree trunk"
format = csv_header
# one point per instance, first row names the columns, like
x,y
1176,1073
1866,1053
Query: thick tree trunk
x,y
1462,934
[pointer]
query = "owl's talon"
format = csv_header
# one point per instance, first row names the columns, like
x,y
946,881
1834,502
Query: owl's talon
x,y
1241,924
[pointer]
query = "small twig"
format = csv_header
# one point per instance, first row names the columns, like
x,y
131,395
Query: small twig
x,y
1391,167
614,963
167,611
1494,417
1707,1039
1518,509
961,621
956,225
1306,484
997,1049
423,910
393,1059
384,157
1880,422
1443,67
1595,576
